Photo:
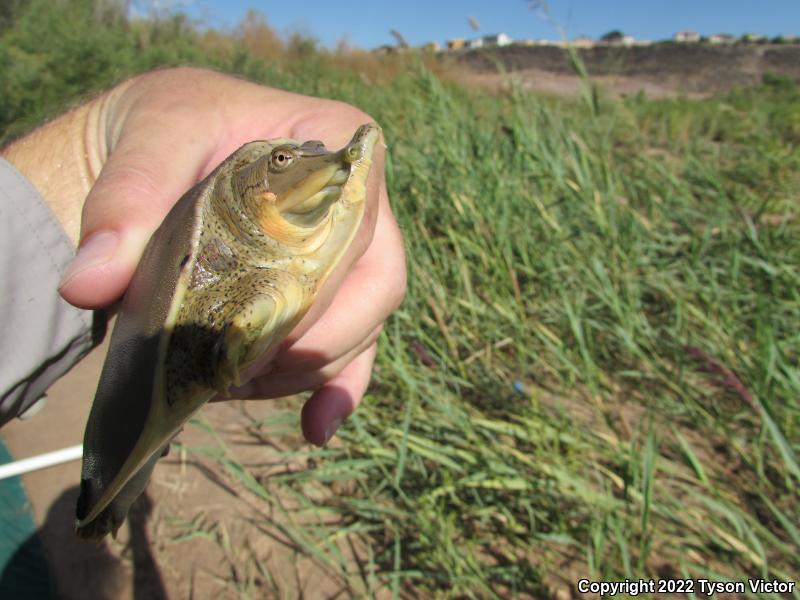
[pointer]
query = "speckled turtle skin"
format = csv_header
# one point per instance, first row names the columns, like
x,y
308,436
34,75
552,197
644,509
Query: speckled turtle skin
x,y
231,270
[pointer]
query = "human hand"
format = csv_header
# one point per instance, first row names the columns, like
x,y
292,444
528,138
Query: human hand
x,y
139,147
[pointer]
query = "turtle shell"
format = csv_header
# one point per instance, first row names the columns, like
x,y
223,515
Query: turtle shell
x,y
133,418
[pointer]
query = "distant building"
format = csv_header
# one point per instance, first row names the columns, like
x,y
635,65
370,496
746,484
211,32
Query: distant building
x,y
722,38
500,39
617,38
455,44
476,43
687,37
431,47
540,42
582,41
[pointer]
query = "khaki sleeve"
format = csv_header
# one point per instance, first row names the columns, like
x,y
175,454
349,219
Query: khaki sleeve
x,y
41,335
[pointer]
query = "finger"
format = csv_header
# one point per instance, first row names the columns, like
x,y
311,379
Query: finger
x,y
278,385
330,405
370,292
135,189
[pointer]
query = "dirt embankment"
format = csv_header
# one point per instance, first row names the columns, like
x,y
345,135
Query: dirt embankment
x,y
692,69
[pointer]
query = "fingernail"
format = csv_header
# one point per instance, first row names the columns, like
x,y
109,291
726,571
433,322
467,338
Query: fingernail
x,y
98,249
331,429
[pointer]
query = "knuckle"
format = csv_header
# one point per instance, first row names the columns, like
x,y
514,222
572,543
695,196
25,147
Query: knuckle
x,y
400,291
400,282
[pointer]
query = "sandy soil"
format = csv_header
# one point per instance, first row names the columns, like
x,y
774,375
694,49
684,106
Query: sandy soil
x,y
558,84
195,534
657,69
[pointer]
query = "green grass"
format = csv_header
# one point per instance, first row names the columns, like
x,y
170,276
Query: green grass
x,y
544,405
595,372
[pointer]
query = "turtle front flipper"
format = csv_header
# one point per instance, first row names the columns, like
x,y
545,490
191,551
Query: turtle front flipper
x,y
224,326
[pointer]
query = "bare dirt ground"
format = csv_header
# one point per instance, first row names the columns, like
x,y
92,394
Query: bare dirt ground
x,y
559,84
195,534
658,70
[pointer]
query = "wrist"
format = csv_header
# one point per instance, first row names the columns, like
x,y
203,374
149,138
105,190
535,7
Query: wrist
x,y
63,158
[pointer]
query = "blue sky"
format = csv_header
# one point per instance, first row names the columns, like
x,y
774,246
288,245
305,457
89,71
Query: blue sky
x,y
366,23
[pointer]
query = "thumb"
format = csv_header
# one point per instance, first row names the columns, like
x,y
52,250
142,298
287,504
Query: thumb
x,y
137,186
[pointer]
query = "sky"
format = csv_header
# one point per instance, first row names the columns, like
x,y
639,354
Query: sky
x,y
367,23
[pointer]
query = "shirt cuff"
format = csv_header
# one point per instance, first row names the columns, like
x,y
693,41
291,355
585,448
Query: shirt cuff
x,y
41,335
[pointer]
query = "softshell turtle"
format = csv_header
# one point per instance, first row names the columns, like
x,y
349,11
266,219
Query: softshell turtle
x,y
232,269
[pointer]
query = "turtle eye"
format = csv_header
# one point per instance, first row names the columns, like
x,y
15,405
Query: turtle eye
x,y
281,158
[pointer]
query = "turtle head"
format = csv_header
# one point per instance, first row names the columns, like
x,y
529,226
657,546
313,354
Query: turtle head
x,y
290,192
307,176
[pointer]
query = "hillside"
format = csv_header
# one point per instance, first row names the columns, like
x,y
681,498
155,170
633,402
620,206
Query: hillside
x,y
693,69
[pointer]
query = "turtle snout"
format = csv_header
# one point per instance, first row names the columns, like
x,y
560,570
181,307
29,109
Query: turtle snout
x,y
362,143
